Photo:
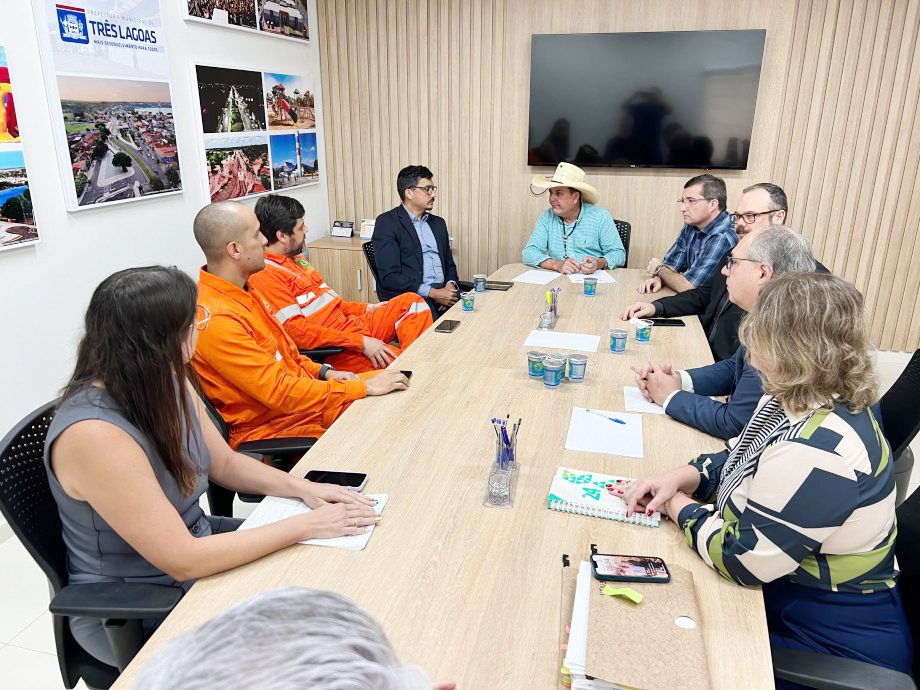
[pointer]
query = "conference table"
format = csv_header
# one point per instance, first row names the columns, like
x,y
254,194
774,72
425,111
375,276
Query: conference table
x,y
472,593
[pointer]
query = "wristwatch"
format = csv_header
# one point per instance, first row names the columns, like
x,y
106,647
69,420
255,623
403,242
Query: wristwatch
x,y
323,370
658,270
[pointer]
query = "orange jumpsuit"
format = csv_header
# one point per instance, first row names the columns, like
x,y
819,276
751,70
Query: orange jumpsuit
x,y
251,371
314,315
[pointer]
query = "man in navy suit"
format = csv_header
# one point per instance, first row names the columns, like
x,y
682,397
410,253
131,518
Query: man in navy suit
x,y
411,246
755,260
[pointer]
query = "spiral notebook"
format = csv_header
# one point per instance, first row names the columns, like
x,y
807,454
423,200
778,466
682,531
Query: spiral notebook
x,y
589,493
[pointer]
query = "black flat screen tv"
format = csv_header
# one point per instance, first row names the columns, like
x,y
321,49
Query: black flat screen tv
x,y
675,99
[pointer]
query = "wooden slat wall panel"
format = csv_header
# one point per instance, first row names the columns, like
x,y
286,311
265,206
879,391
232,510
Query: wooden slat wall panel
x,y
446,83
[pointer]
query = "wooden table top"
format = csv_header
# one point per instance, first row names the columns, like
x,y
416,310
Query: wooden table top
x,y
471,593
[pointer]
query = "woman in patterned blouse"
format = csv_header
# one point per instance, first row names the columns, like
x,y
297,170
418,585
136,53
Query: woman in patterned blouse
x,y
804,503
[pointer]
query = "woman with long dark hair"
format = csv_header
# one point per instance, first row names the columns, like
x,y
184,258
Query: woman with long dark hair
x,y
131,448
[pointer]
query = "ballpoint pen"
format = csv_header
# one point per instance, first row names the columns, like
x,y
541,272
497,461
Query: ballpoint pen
x,y
601,414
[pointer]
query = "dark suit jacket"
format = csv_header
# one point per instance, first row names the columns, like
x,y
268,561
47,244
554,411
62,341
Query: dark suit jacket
x,y
718,316
398,253
733,377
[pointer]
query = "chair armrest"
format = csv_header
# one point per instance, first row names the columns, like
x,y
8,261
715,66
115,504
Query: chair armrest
x,y
275,446
127,600
319,354
827,672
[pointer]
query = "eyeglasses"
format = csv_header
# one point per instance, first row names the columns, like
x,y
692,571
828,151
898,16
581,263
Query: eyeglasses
x,y
689,201
732,259
202,316
750,217
428,189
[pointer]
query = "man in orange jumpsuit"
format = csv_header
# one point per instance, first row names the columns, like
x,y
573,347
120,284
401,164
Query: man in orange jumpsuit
x,y
312,312
246,364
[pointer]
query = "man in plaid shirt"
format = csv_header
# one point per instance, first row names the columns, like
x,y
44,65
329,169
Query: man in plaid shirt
x,y
708,232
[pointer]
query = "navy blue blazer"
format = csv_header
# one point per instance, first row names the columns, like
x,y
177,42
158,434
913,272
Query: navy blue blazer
x,y
398,253
733,377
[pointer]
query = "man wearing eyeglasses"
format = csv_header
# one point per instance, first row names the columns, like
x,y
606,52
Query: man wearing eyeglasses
x,y
757,259
411,245
707,234
760,205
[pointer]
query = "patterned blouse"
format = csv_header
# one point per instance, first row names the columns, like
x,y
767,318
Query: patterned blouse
x,y
809,497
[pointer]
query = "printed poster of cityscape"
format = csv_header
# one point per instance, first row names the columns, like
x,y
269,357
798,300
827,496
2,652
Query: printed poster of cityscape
x,y
282,18
17,219
121,137
237,165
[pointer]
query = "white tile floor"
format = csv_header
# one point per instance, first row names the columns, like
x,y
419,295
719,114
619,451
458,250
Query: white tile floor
x,y
27,656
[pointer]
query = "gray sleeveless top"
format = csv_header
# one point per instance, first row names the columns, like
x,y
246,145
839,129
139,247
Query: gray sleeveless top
x,y
95,553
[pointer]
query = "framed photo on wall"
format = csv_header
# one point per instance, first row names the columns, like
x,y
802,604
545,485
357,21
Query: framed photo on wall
x,y
258,131
109,95
280,18
17,218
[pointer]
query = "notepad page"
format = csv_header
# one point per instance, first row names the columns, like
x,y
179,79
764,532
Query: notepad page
x,y
636,402
535,277
602,277
273,508
577,650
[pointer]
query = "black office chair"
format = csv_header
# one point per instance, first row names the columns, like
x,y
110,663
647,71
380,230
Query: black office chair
x,y
625,230
28,505
281,453
826,672
901,421
368,249
319,354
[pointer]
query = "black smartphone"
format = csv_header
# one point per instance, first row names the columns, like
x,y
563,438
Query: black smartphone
x,y
608,566
407,374
351,480
667,322
447,326
498,285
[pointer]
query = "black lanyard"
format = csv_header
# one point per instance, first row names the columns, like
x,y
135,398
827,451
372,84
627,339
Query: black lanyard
x,y
566,236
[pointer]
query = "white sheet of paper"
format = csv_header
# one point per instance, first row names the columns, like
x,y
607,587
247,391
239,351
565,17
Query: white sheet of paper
x,y
273,508
593,434
576,653
563,341
537,277
602,277
636,402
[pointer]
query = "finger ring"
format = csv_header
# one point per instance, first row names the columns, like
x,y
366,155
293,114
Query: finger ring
x,y
356,522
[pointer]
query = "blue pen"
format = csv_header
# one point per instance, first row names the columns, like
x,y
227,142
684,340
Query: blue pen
x,y
601,414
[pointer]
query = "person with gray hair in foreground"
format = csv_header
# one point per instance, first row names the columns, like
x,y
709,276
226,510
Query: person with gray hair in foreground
x,y
758,257
285,639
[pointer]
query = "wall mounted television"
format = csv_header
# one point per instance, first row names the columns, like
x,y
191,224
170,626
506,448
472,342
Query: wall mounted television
x,y
675,99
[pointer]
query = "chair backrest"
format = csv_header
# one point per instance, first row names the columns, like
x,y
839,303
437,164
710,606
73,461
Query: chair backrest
x,y
29,507
215,416
368,249
909,566
25,495
900,414
625,230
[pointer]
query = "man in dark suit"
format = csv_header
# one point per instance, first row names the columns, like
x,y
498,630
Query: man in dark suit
x,y
760,205
756,259
411,245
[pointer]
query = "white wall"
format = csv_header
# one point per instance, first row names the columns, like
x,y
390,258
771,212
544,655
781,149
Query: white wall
x,y
45,288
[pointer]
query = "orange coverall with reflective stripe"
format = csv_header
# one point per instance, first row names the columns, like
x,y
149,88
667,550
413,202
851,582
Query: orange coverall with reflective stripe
x,y
314,315
251,371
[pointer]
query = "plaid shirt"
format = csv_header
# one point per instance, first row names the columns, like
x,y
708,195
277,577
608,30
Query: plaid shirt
x,y
697,252
592,234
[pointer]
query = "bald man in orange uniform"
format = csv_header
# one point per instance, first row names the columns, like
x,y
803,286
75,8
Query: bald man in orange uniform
x,y
246,364
313,314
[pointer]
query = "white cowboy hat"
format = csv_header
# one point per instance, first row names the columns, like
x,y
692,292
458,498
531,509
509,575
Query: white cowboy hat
x,y
567,175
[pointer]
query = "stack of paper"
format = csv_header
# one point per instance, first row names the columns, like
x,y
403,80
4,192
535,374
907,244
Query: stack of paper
x,y
272,509
595,432
602,277
636,402
563,341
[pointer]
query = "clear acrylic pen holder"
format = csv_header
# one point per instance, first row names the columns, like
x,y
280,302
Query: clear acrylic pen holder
x,y
503,473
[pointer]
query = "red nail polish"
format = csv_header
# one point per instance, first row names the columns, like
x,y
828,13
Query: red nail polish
x,y
650,511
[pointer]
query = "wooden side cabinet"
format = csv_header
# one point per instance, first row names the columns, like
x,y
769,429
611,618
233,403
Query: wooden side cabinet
x,y
344,267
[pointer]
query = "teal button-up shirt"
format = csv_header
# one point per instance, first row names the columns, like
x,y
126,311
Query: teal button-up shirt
x,y
592,234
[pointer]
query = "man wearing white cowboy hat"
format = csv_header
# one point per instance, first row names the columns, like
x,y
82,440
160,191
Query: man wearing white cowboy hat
x,y
573,235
